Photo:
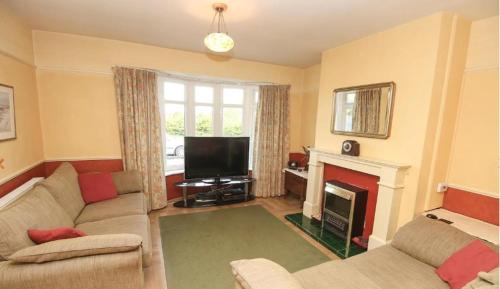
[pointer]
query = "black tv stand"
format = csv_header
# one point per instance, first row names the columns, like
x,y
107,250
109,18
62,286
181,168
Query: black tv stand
x,y
218,192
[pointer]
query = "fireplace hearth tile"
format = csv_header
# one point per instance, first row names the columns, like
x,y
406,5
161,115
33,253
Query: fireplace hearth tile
x,y
312,227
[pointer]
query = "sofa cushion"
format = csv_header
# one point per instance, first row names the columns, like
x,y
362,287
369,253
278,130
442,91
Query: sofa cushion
x,y
71,248
390,268
36,209
464,265
430,241
64,187
40,236
97,187
334,274
136,224
127,181
123,205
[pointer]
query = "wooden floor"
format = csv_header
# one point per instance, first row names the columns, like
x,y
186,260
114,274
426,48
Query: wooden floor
x,y
154,275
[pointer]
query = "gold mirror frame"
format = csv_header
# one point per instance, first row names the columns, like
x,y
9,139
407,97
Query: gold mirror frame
x,y
390,104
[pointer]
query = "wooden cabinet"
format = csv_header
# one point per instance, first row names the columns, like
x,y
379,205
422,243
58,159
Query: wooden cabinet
x,y
296,184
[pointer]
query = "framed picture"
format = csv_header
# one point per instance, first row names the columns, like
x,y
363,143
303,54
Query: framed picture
x,y
7,114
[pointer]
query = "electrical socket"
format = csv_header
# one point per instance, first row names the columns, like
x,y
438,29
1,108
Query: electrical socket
x,y
442,187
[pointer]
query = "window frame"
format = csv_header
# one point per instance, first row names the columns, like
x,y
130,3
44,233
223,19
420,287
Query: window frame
x,y
248,106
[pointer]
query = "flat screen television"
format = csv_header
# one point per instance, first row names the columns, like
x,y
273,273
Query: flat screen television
x,y
215,157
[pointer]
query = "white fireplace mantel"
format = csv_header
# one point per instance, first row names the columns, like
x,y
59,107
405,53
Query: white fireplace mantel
x,y
390,188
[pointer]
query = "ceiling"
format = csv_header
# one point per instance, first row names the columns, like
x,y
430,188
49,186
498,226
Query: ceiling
x,y
288,32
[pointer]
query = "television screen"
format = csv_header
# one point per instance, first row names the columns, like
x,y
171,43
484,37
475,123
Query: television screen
x,y
215,157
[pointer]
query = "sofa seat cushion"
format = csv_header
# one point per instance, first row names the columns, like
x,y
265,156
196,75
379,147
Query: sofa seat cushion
x,y
36,209
123,205
334,275
392,269
381,268
135,224
64,187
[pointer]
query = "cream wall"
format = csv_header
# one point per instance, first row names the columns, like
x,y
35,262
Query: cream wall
x,y
309,104
16,69
78,67
415,56
474,155
442,114
15,40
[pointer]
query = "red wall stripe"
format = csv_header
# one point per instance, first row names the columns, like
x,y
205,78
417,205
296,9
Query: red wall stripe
x,y
361,180
473,205
108,165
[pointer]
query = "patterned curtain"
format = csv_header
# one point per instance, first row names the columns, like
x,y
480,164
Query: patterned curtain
x,y
271,140
140,130
367,111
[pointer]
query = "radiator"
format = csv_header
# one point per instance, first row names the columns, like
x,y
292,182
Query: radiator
x,y
18,192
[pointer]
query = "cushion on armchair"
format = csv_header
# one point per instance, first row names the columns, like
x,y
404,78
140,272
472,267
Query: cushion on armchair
x,y
77,247
263,274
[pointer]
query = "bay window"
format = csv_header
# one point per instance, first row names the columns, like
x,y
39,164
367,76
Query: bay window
x,y
195,108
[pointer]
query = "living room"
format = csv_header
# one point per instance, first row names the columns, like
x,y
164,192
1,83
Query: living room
x,y
118,130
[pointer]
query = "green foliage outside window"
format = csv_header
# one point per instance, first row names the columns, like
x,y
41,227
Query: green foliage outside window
x,y
204,125
232,125
175,124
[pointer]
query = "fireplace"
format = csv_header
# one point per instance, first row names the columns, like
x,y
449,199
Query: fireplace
x,y
344,209
390,189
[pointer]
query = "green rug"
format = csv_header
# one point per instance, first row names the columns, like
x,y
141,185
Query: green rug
x,y
197,248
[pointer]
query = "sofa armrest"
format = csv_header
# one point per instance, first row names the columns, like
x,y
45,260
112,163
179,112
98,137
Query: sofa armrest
x,y
77,247
262,274
112,271
127,181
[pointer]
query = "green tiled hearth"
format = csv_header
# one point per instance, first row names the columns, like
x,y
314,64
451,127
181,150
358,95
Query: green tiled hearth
x,y
313,228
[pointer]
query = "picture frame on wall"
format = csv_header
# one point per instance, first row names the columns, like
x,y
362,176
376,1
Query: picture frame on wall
x,y
7,113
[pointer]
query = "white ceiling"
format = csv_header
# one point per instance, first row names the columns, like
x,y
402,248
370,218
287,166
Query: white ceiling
x,y
289,32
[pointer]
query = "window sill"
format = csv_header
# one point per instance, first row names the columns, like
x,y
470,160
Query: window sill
x,y
174,172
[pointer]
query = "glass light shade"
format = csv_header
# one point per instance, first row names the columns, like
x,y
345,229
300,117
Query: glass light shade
x,y
219,42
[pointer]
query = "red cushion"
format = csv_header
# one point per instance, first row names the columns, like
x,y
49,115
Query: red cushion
x,y
43,236
463,266
97,187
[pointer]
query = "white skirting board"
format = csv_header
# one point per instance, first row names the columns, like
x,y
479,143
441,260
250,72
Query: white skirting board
x,y
18,192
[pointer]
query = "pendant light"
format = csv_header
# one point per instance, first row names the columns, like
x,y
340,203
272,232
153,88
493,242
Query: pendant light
x,y
219,41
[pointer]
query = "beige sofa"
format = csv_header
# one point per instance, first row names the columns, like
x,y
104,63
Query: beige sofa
x,y
113,254
409,262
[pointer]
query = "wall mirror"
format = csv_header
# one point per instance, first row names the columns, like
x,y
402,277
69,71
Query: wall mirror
x,y
364,110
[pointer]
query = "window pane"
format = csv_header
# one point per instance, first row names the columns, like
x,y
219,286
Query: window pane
x,y
204,120
204,94
174,136
173,91
232,121
350,97
232,95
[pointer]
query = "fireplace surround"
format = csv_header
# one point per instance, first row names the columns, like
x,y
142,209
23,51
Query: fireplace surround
x,y
390,189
